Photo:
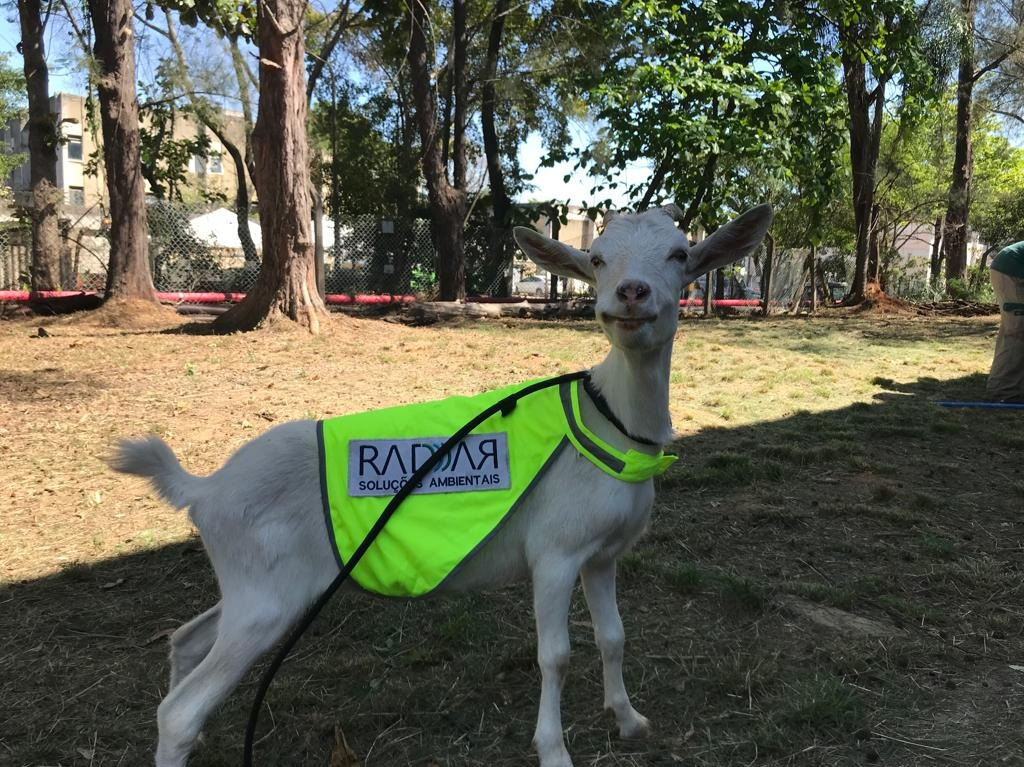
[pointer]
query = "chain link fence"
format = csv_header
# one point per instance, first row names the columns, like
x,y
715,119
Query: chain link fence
x,y
200,249
82,260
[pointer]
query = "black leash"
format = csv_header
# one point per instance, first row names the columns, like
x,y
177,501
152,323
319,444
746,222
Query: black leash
x,y
504,406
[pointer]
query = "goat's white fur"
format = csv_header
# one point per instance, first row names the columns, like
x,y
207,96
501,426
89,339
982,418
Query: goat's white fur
x,y
261,520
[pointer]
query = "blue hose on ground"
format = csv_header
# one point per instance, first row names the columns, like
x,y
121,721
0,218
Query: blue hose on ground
x,y
998,405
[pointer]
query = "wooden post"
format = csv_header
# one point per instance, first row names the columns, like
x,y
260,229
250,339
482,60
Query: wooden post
x,y
813,257
766,281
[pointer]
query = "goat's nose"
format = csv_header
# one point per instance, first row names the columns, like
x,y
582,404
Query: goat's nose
x,y
632,291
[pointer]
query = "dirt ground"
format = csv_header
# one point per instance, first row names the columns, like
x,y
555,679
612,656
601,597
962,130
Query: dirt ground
x,y
833,575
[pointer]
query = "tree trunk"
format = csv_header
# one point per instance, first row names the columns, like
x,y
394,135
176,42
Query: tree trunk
x,y
501,204
865,135
286,285
460,90
242,76
42,147
954,240
128,274
447,203
317,198
936,256
874,270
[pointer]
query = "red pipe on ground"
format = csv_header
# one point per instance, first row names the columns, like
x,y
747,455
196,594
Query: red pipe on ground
x,y
205,298
361,299
721,302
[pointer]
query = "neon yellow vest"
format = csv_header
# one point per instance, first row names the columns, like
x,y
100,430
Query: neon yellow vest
x,y
366,457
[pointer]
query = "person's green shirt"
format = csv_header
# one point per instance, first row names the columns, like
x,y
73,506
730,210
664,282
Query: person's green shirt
x,y
1010,260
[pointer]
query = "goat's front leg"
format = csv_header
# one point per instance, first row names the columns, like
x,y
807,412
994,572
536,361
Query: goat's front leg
x,y
599,588
553,582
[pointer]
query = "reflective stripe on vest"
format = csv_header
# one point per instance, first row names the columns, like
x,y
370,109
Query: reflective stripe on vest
x,y
365,457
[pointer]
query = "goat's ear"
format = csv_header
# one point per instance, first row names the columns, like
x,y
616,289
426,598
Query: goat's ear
x,y
731,242
556,257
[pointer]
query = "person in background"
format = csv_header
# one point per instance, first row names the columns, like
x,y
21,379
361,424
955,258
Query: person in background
x,y
1006,379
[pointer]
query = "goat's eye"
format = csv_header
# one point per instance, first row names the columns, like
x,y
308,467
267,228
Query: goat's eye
x,y
679,254
595,260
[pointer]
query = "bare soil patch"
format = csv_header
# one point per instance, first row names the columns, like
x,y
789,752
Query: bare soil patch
x,y
816,471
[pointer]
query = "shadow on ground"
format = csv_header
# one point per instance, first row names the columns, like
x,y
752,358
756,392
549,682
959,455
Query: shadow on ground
x,y
834,588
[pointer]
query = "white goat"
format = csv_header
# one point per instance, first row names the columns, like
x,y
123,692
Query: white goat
x,y
261,519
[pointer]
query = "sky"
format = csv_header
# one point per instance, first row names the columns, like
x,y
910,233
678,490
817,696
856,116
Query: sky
x,y
550,184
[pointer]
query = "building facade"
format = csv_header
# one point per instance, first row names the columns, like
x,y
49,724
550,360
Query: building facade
x,y
80,166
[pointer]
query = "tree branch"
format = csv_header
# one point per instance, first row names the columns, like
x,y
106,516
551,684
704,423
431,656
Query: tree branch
x,y
994,64
333,37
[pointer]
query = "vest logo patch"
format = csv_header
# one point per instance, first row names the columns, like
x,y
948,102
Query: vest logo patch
x,y
379,467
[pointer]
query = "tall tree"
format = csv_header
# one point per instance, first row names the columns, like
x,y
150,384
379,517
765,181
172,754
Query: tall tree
x,y
879,43
447,200
128,273
970,70
43,140
213,119
12,107
286,285
501,203
704,91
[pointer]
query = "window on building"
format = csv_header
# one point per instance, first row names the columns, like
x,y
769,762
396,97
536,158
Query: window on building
x,y
76,195
75,149
214,164
200,163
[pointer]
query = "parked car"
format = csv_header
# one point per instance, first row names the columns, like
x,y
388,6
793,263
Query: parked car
x,y
532,286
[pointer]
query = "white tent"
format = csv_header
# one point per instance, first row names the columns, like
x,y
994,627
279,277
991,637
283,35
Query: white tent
x,y
219,229
346,231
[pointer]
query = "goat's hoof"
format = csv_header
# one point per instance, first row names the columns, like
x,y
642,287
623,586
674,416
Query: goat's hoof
x,y
558,760
554,757
634,725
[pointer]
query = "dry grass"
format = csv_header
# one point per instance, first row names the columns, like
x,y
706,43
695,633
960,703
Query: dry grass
x,y
814,468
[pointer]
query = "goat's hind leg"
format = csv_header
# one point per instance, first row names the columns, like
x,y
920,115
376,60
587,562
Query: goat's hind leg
x,y
191,642
243,634
599,587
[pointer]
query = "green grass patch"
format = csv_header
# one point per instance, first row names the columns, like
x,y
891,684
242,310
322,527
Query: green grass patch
x,y
822,593
897,517
1008,439
883,494
917,612
807,710
947,427
631,563
937,546
924,501
739,591
685,579
822,705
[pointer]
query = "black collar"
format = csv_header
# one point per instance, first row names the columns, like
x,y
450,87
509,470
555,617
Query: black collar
x,y
605,409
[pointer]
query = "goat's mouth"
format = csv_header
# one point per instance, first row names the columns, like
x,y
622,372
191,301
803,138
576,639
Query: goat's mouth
x,y
629,323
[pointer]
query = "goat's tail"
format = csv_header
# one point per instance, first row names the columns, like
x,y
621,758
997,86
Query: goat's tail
x,y
151,457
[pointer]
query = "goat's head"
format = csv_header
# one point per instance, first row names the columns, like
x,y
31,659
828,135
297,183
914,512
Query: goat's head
x,y
640,264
